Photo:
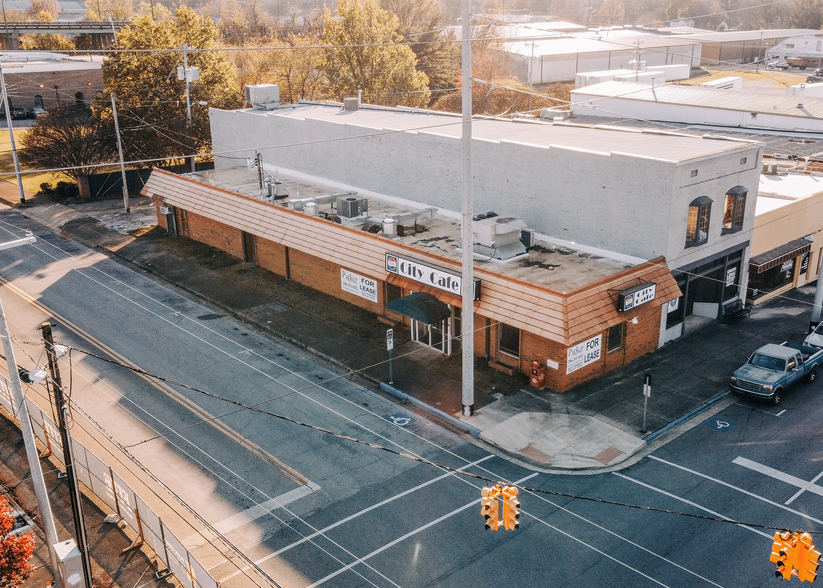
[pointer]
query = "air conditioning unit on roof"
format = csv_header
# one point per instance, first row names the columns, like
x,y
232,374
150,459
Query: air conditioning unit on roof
x,y
352,206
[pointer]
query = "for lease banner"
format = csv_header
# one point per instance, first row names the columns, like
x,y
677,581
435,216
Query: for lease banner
x,y
358,285
583,354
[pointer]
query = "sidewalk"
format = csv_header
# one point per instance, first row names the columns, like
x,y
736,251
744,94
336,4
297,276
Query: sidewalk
x,y
591,427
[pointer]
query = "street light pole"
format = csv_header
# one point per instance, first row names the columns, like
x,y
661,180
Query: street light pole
x,y
11,137
22,414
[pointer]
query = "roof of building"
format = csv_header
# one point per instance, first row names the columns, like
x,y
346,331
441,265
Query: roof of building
x,y
657,145
779,190
16,62
685,95
551,264
563,292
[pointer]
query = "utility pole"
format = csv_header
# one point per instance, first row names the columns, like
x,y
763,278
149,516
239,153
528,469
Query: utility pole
x,y
71,474
188,100
22,414
11,136
467,239
120,151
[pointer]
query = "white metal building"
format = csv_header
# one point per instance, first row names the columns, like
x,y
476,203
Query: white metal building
x,y
694,105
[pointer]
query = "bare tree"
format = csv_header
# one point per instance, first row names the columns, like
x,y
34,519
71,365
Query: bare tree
x,y
70,140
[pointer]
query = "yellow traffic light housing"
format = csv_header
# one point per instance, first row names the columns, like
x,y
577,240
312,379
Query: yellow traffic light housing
x,y
511,508
489,508
806,558
794,554
783,554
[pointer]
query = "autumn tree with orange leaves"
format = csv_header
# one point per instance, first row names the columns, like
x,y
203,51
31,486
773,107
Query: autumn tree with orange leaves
x,y
15,550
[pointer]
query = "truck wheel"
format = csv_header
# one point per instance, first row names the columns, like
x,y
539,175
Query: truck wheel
x,y
776,397
812,376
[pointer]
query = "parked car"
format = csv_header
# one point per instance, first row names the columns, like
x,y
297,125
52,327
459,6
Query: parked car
x,y
778,65
773,368
37,111
18,113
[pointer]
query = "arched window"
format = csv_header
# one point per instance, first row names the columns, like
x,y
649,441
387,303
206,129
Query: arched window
x,y
78,99
697,226
38,101
734,209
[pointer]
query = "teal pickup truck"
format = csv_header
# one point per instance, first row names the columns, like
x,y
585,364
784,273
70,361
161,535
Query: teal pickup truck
x,y
773,368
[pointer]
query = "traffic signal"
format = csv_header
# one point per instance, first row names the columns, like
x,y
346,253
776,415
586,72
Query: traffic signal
x,y
783,554
511,506
806,559
488,507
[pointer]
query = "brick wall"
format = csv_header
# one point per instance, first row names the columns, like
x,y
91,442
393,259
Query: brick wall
x,y
271,256
215,234
325,277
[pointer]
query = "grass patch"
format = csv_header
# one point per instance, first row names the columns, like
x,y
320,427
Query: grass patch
x,y
31,182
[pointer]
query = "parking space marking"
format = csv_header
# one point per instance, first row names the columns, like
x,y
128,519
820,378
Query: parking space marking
x,y
746,492
783,477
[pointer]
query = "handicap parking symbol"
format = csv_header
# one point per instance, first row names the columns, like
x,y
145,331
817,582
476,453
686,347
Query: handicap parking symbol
x,y
399,419
719,424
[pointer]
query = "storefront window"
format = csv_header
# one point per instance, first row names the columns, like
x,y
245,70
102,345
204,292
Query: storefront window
x,y
771,279
509,342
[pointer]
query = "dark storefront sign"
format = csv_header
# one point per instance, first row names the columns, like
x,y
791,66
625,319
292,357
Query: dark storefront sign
x,y
634,297
804,263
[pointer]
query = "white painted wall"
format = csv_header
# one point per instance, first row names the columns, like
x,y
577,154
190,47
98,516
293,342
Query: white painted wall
x,y
637,206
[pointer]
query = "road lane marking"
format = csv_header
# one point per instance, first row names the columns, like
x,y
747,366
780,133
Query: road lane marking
x,y
783,477
406,536
746,492
690,503
251,514
349,518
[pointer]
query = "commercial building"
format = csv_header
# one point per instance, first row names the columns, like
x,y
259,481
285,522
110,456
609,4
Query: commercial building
x,y
696,105
41,79
640,193
576,311
787,245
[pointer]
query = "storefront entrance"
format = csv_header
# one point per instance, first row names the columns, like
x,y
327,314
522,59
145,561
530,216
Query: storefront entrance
x,y
443,336
706,286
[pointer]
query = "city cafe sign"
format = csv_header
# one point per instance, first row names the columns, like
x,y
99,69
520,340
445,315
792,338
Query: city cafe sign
x,y
428,274
634,297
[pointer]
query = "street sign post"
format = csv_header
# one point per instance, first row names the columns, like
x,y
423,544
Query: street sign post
x,y
647,392
390,347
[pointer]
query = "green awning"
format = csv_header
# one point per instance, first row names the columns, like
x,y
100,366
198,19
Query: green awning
x,y
420,306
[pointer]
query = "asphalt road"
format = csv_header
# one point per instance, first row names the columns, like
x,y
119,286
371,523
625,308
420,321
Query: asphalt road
x,y
341,513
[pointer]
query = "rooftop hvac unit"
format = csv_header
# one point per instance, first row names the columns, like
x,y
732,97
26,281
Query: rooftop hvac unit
x,y
351,103
497,231
263,94
352,206
165,210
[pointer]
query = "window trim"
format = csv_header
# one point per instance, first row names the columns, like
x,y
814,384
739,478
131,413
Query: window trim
x,y
702,210
738,212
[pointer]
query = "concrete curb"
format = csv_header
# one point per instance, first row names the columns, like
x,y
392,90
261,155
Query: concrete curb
x,y
693,412
430,409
